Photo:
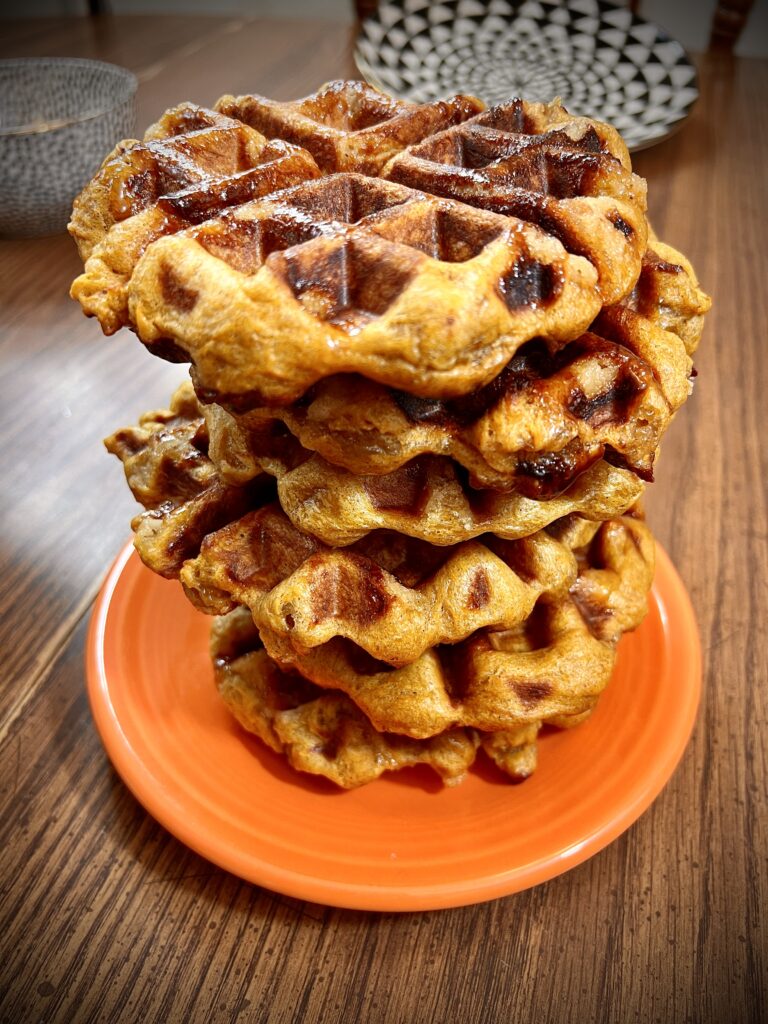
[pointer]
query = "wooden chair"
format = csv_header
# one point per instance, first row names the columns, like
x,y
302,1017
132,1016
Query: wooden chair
x,y
728,24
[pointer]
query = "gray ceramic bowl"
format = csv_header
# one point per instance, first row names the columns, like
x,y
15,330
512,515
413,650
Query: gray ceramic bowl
x,y
59,117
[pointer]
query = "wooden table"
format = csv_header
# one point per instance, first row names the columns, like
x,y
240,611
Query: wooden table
x,y
106,917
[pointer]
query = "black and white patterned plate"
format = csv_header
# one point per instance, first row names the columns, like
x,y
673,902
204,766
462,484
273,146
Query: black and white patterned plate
x,y
598,57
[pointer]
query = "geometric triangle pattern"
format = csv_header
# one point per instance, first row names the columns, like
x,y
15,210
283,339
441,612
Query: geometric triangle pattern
x,y
603,61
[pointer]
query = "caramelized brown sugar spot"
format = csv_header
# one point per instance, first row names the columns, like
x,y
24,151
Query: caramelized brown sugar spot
x,y
348,125
165,458
569,175
192,164
429,497
420,293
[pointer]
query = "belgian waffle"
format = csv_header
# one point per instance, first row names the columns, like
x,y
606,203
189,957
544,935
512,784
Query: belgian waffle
x,y
532,430
392,596
429,295
428,498
167,460
555,663
356,274
349,126
324,733
536,426
570,175
193,163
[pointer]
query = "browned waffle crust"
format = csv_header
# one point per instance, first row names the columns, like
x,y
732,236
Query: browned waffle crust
x,y
355,274
429,295
571,176
193,163
349,126
436,348
167,460
324,732
391,597
556,663
534,429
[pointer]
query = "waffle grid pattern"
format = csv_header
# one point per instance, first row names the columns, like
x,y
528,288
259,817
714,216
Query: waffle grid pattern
x,y
434,348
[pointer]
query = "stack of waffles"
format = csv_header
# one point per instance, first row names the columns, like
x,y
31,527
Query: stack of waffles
x,y
433,352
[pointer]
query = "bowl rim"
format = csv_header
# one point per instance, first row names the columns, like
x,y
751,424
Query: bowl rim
x,y
129,81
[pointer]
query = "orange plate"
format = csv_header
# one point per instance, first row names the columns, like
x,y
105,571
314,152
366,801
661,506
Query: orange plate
x,y
403,842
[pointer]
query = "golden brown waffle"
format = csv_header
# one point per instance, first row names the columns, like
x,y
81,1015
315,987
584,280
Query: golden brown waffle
x,y
323,732
349,126
534,161
327,254
552,666
167,468
355,274
428,499
167,464
392,596
350,274
192,164
534,428
320,732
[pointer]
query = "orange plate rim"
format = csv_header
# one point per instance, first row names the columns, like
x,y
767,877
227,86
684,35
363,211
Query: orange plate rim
x,y
193,823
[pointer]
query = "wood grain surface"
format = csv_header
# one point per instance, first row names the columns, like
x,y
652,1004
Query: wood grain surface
x,y
105,917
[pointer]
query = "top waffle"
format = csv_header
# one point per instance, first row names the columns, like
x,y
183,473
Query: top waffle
x,y
570,175
349,126
430,293
192,163
359,275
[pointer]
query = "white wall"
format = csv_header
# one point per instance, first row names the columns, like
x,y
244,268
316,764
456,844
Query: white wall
x,y
690,21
